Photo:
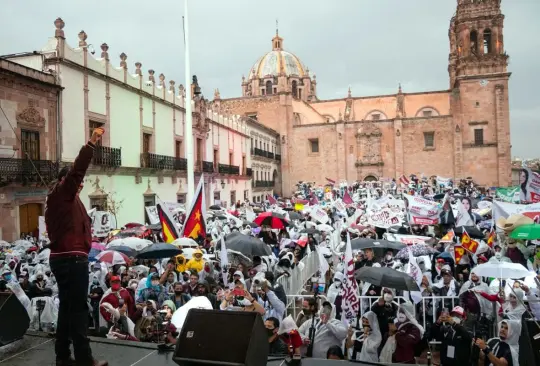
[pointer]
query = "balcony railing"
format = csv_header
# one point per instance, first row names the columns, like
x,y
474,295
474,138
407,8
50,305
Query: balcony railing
x,y
24,171
198,166
107,156
265,154
249,172
264,183
162,162
229,169
207,167
278,157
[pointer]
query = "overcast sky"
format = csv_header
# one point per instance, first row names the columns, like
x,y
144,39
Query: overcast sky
x,y
371,45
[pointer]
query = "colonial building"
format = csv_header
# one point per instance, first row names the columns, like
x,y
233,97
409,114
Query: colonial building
x,y
461,131
28,146
142,155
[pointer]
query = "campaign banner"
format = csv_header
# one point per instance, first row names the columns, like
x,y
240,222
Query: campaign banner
x,y
319,215
508,194
174,208
421,211
408,239
384,218
102,223
505,209
42,228
444,182
529,186
340,206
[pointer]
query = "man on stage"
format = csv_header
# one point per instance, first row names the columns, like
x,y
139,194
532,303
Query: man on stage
x,y
69,229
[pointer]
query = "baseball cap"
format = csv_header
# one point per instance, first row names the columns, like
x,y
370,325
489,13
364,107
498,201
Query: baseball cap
x,y
115,279
458,310
238,273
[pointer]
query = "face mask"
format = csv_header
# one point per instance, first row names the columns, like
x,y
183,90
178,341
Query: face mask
x,y
245,302
337,283
95,281
178,292
7,277
388,297
456,320
134,286
115,286
402,318
388,257
498,255
270,332
155,283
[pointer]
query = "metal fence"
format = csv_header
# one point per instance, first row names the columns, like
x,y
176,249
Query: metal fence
x,y
296,282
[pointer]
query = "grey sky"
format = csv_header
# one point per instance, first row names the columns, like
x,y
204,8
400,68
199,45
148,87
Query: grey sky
x,y
371,45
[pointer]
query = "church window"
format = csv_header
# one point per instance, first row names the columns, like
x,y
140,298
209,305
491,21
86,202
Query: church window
x,y
268,87
429,139
474,42
314,145
427,113
295,89
479,136
487,41
376,116
299,93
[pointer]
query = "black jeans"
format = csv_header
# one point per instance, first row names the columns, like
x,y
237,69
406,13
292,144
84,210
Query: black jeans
x,y
71,274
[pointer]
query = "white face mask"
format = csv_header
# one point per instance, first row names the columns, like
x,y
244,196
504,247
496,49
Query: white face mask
x,y
498,255
337,283
388,257
456,320
402,318
155,283
388,297
245,302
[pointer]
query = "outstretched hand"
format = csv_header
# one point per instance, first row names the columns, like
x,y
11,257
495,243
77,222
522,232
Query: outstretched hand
x,y
97,134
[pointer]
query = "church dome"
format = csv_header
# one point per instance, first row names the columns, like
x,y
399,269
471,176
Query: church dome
x,y
276,62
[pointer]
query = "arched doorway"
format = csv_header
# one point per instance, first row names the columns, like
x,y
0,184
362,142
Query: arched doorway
x,y
29,217
370,178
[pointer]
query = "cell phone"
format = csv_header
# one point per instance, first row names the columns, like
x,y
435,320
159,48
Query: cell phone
x,y
238,292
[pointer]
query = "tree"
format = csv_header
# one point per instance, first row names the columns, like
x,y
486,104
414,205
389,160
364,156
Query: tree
x,y
114,205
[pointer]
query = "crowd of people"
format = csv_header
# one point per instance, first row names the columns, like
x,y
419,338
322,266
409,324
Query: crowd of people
x,y
469,316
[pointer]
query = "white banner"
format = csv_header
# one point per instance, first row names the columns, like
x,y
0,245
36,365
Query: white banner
x,y
408,239
505,209
384,218
529,182
340,206
102,223
422,211
42,228
174,208
319,215
350,302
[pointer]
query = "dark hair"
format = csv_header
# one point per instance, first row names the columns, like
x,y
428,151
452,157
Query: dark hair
x,y
335,351
275,321
524,184
63,172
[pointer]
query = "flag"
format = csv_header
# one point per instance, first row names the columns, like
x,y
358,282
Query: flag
x,y
350,302
313,200
331,181
449,237
169,230
195,224
491,238
404,180
298,206
459,252
468,243
224,261
271,199
347,198
415,272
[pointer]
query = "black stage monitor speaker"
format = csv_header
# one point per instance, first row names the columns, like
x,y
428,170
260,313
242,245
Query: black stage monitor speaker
x,y
216,337
14,319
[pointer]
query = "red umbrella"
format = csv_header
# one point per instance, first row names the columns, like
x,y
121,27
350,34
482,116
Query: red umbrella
x,y
131,225
272,219
112,257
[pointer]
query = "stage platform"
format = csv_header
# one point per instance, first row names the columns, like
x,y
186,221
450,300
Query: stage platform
x,y
37,349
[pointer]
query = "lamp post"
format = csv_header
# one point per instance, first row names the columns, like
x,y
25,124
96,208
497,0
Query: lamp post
x,y
189,117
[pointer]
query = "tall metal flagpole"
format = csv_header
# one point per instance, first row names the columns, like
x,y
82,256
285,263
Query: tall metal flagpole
x,y
188,138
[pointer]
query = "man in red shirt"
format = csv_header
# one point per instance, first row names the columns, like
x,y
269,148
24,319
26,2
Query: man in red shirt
x,y
69,230
118,297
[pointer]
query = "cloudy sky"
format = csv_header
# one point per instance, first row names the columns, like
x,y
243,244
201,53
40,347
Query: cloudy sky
x,y
371,45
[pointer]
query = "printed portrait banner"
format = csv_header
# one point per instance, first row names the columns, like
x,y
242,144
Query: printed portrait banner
x,y
505,209
42,228
531,181
421,211
153,217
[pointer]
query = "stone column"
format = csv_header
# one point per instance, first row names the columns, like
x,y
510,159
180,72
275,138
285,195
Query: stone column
x,y
398,148
503,136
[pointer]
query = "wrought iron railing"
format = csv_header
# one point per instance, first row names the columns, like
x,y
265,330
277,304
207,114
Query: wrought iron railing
x,y
229,169
198,166
264,183
278,157
162,162
24,171
180,164
265,154
107,156
249,172
207,167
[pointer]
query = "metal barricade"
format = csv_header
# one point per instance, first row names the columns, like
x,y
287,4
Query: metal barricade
x,y
300,275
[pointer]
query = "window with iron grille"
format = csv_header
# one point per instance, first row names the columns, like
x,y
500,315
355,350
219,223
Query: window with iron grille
x,y
479,136
30,144
314,145
429,139
92,125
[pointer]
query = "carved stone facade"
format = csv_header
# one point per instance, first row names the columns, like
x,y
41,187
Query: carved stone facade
x,y
28,146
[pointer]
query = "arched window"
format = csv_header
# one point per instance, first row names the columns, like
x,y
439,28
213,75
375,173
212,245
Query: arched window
x,y
487,41
295,89
474,42
268,87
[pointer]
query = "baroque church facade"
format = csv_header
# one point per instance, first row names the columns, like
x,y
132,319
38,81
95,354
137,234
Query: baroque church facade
x,y
458,132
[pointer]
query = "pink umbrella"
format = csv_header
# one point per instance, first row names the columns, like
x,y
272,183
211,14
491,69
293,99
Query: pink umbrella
x,y
98,246
112,257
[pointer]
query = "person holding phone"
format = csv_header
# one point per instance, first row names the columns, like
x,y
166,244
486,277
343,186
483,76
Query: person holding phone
x,y
455,339
69,229
239,299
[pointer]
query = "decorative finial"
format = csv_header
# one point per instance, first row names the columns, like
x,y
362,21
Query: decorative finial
x,y
171,85
216,94
399,89
59,24
104,49
138,70
243,79
181,90
96,184
82,38
151,75
162,79
349,93
123,58
277,27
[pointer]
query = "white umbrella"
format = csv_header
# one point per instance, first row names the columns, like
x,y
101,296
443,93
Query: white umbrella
x,y
180,315
112,257
325,227
501,270
136,244
185,242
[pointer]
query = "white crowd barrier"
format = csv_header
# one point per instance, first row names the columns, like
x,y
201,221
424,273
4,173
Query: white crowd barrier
x,y
300,275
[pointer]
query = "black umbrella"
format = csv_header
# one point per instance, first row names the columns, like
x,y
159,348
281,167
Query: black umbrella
x,y
215,207
158,251
295,216
387,277
154,227
125,249
473,231
245,244
250,223
364,243
310,230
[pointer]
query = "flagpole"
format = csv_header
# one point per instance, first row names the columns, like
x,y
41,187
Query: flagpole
x,y
188,133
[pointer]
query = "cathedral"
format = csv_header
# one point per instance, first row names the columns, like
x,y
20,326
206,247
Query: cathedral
x,y
462,131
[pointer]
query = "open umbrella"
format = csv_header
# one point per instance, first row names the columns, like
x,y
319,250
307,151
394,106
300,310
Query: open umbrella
x,y
364,243
159,250
125,250
526,232
112,257
310,230
272,219
498,269
134,243
295,216
417,250
98,246
387,277
245,244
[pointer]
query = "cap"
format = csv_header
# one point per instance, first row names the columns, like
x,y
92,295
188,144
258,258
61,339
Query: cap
x,y
115,278
482,258
241,281
440,260
238,273
458,310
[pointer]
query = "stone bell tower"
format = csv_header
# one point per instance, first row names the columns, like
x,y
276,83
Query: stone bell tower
x,y
479,99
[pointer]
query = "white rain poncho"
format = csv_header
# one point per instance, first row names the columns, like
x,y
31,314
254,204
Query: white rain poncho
x,y
372,341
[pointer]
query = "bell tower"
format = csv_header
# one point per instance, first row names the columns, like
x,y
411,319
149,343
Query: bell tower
x,y
477,67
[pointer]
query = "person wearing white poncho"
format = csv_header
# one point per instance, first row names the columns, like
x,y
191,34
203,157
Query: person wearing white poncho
x,y
504,348
370,338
